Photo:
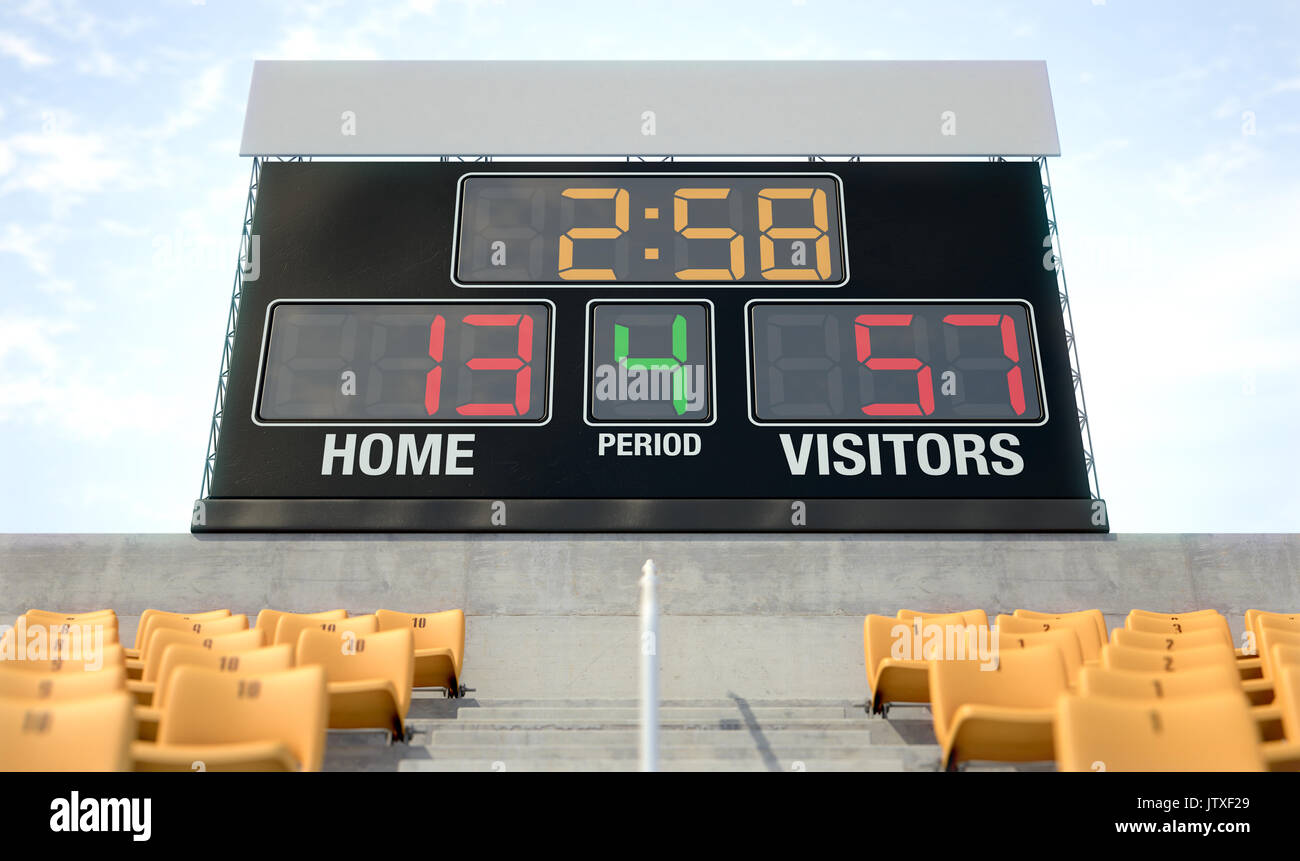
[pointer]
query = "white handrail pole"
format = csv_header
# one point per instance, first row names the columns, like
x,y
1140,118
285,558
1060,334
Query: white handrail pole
x,y
649,669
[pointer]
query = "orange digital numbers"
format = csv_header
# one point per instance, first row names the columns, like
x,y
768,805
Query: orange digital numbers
x,y
820,269
736,242
651,228
622,211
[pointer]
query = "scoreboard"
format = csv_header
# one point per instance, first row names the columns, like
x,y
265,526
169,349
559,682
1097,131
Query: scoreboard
x,y
686,346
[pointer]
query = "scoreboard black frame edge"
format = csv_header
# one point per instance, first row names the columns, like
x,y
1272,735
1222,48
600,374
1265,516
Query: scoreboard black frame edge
x,y
365,231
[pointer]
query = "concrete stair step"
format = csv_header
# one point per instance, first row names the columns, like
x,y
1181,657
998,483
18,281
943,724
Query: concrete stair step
x,y
726,724
783,752
761,714
473,701
598,765
513,737
603,734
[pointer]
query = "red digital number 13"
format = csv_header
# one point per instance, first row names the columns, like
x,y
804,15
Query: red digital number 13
x,y
520,363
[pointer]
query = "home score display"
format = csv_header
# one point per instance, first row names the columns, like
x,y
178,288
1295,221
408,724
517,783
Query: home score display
x,y
669,346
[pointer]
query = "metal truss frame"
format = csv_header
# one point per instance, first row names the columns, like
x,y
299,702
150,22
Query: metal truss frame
x,y
1072,343
242,265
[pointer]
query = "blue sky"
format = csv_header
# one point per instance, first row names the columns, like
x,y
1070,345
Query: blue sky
x,y
121,194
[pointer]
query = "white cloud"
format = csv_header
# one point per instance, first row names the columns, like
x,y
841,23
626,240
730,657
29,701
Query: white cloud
x,y
199,97
117,228
1230,106
32,338
1214,174
1101,151
22,51
102,64
58,163
21,241
306,43
43,382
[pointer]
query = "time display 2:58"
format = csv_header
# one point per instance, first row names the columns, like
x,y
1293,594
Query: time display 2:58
x,y
650,229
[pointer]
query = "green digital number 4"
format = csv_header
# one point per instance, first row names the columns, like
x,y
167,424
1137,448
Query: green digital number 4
x,y
654,364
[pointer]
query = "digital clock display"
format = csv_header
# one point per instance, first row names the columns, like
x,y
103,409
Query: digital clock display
x,y
693,228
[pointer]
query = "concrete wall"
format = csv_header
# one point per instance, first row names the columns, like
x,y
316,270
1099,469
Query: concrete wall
x,y
554,616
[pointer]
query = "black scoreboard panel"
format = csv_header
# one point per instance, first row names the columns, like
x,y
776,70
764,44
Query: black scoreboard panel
x,y
668,346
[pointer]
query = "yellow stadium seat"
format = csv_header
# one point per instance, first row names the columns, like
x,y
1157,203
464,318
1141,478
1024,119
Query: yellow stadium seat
x,y
897,669
108,621
1287,686
1285,656
1210,733
1178,624
1002,714
1174,616
1284,754
1277,620
369,676
1220,678
961,617
55,616
1152,661
1083,628
289,627
215,721
211,627
1169,642
254,660
145,625
890,679
216,625
1065,640
60,687
54,635
92,734
267,620
1255,619
1161,623
72,631
1094,616
263,659
439,646
1271,637
56,620
163,638
86,659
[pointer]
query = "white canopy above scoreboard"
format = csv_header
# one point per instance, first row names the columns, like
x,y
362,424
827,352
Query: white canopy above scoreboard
x,y
616,108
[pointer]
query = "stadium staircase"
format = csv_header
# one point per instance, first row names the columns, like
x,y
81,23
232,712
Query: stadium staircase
x,y
730,734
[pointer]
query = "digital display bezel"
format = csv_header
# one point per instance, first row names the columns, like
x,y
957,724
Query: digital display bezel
x,y
588,351
549,390
751,369
689,285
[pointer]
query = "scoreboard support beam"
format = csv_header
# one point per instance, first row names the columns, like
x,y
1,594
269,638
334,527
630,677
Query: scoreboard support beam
x,y
246,267
232,321
1085,429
